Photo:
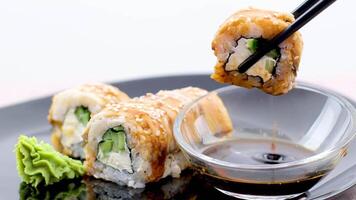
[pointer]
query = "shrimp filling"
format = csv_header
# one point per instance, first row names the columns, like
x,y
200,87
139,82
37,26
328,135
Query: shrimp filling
x,y
264,68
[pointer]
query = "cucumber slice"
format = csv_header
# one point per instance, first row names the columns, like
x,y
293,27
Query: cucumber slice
x,y
252,45
121,141
113,140
269,65
105,147
83,114
109,135
273,54
118,128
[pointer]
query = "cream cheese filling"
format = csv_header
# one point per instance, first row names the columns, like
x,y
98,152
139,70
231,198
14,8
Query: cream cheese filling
x,y
118,160
72,129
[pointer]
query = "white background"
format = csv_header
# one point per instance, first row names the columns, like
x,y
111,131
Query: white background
x,y
49,45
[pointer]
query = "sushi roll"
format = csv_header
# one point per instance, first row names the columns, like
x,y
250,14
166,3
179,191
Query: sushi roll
x,y
245,32
131,143
72,109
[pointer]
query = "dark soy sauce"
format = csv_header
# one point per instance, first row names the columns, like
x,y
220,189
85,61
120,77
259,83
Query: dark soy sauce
x,y
264,152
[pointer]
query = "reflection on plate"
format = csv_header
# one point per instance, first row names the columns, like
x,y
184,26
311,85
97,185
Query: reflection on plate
x,y
73,189
190,186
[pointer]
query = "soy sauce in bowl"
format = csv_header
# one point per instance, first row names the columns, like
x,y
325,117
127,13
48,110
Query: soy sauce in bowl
x,y
262,152
277,146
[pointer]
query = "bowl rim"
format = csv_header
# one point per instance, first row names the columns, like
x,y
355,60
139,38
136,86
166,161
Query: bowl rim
x,y
350,132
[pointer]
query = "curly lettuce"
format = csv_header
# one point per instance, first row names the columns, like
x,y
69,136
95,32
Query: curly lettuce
x,y
38,162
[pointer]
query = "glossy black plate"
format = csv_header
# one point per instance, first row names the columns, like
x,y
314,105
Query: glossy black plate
x,y
30,118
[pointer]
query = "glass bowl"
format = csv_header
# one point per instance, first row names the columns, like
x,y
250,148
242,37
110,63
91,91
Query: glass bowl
x,y
251,145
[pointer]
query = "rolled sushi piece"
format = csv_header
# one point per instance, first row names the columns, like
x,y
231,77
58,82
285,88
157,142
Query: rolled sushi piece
x,y
72,109
245,32
132,143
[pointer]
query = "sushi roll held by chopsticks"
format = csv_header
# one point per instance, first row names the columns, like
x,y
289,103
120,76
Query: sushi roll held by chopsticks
x,y
132,143
72,109
244,33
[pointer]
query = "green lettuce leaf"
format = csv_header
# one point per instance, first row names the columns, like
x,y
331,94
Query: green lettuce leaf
x,y
38,162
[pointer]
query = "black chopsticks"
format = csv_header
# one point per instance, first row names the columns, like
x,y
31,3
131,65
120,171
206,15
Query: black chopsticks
x,y
303,14
302,8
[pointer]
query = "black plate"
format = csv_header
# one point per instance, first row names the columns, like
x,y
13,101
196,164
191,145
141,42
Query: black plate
x,y
30,118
